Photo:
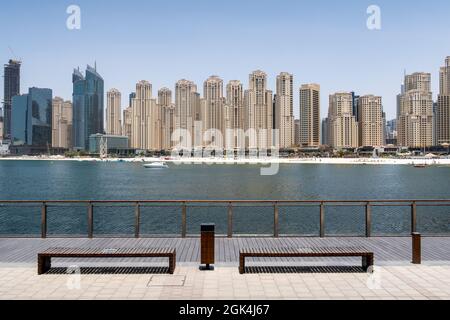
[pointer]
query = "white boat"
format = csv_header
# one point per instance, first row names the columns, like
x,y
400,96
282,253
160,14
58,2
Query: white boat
x,y
156,165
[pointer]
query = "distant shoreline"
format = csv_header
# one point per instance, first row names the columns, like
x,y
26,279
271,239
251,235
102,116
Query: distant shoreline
x,y
263,161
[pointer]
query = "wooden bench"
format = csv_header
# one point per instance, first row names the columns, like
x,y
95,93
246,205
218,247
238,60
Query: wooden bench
x,y
367,256
44,258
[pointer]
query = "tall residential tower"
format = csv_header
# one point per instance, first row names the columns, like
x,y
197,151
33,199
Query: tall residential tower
x,y
114,112
415,112
259,111
343,126
62,123
309,115
370,121
443,107
284,109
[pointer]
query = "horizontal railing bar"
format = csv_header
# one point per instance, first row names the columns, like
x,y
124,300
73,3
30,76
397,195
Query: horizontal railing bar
x,y
432,205
393,205
225,201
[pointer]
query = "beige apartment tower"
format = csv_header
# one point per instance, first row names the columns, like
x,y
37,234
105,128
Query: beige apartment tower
x,y
114,112
443,109
127,123
187,111
61,123
284,110
415,112
168,117
259,111
235,115
309,126
343,127
370,121
215,105
146,119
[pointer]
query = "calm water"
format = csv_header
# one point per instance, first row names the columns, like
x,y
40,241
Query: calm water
x,y
124,181
106,181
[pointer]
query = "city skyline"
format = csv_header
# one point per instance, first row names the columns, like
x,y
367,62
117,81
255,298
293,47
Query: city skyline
x,y
320,57
352,121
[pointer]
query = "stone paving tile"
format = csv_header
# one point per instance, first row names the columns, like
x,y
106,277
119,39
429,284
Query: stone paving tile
x,y
395,282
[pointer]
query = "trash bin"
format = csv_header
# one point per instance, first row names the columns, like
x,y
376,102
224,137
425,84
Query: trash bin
x,y
207,246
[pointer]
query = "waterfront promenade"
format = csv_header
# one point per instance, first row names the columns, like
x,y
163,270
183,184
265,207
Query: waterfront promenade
x,y
394,278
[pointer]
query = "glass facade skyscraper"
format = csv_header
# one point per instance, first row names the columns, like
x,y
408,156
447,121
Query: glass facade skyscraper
x,y
88,102
31,118
11,89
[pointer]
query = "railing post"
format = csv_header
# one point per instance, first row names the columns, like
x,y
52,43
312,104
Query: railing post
x,y
137,220
90,220
416,248
230,220
368,220
275,220
322,220
413,217
44,221
183,220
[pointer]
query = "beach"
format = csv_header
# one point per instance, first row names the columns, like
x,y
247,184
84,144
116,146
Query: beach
x,y
251,161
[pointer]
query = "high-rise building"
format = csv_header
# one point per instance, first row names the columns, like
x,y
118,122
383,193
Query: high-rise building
x,y
391,132
235,114
165,97
443,106
371,121
145,119
187,111
415,112
325,131
127,123
131,96
62,123
297,132
343,126
88,105
284,109
259,110
215,105
11,89
355,101
168,118
114,112
310,115
31,118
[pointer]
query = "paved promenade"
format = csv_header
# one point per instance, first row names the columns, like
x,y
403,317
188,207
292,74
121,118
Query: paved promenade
x,y
394,276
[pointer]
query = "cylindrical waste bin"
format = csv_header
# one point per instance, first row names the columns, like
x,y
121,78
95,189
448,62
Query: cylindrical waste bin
x,y
207,246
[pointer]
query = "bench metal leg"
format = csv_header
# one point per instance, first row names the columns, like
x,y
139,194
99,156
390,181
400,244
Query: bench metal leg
x,y
44,264
241,264
367,262
172,263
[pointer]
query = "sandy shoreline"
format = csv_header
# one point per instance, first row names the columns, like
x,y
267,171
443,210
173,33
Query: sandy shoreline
x,y
264,161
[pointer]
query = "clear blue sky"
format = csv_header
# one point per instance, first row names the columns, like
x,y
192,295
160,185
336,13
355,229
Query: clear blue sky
x,y
326,42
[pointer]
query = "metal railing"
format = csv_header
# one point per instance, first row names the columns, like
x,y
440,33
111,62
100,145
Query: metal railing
x,y
314,218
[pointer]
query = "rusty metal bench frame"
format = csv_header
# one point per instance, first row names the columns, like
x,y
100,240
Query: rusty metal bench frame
x,y
367,256
44,258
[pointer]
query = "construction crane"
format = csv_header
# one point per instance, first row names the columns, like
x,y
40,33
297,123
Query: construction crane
x,y
14,55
